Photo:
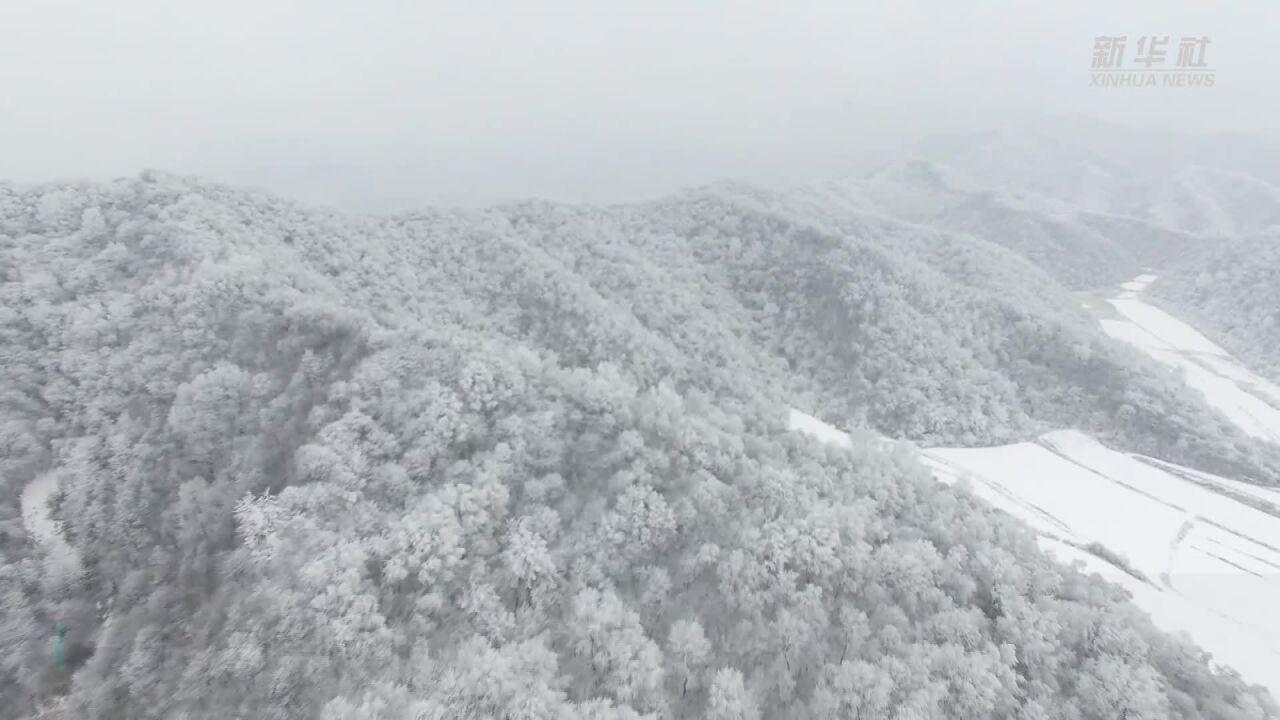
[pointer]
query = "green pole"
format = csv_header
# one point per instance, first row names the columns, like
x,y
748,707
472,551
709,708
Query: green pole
x,y
59,635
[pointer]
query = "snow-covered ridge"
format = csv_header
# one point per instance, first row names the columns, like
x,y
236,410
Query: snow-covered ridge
x,y
1193,556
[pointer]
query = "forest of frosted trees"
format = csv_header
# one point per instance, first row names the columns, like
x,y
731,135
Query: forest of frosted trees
x,y
1231,288
533,462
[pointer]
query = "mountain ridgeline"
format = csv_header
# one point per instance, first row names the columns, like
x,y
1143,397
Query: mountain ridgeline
x,y
533,462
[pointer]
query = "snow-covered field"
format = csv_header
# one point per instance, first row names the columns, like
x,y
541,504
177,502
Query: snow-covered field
x,y
1250,401
1199,561
1201,553
1211,563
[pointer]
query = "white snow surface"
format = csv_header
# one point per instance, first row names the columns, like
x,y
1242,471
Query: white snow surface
x,y
1199,560
1249,401
1139,283
62,561
811,425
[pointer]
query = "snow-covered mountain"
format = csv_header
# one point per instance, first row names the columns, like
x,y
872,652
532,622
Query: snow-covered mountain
x,y
1211,185
1232,291
1080,246
1200,552
1212,201
271,461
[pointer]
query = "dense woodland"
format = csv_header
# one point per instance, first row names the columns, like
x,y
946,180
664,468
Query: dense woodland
x,y
532,462
1232,290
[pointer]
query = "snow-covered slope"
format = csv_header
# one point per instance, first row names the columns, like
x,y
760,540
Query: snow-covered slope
x,y
811,425
1212,201
1193,555
1200,553
1208,563
1248,400
61,559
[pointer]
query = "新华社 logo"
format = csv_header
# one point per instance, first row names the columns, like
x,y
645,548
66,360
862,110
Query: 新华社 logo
x,y
1150,61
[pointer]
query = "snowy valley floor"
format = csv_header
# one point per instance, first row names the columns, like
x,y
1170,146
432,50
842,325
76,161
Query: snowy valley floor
x,y
1200,553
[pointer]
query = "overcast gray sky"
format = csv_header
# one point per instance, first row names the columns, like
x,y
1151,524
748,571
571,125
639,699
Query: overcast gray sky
x,y
383,104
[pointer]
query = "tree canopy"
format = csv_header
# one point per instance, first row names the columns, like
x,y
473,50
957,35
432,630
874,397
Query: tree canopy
x,y
532,462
